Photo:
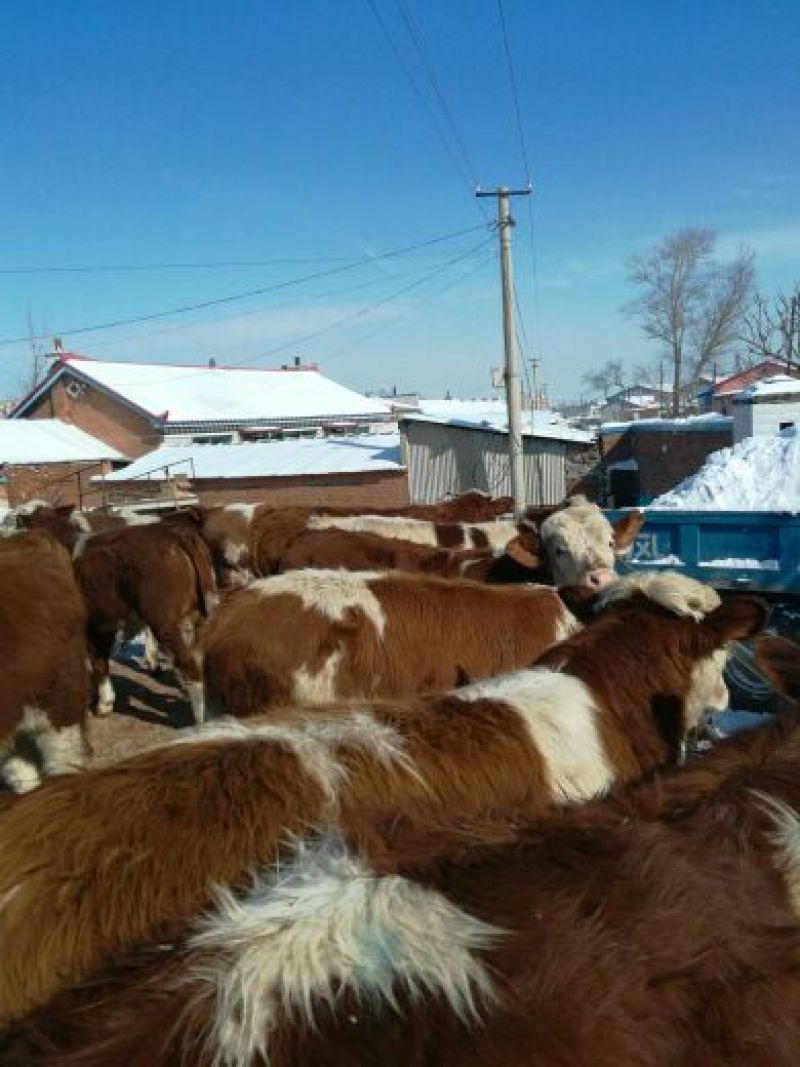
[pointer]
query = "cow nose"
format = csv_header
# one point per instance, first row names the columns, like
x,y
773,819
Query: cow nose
x,y
598,579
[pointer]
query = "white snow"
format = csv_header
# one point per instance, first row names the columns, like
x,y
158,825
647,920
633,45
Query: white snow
x,y
50,441
758,474
709,421
492,415
210,394
659,561
777,385
737,563
323,455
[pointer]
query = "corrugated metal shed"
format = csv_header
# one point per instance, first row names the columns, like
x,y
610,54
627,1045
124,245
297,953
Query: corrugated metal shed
x,y
445,459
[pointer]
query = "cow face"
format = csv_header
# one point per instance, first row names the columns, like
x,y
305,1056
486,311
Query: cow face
x,y
577,540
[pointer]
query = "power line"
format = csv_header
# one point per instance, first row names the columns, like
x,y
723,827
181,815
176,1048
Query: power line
x,y
526,165
145,267
361,313
180,327
233,297
416,36
466,173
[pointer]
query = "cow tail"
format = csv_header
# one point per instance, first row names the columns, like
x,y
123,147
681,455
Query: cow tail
x,y
200,557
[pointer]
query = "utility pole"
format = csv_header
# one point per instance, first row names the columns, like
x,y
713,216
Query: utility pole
x,y
512,380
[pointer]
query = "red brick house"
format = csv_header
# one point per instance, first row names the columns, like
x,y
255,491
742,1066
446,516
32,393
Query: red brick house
x,y
135,407
720,396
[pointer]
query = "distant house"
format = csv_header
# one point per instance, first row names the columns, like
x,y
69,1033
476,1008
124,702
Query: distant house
x,y
51,460
766,407
720,396
631,402
136,407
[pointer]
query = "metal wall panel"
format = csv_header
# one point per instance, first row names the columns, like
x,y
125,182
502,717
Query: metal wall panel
x,y
444,460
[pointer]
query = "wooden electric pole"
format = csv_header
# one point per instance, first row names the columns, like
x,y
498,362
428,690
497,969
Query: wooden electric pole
x,y
512,380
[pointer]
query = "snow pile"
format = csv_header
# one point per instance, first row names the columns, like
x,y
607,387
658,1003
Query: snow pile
x,y
758,474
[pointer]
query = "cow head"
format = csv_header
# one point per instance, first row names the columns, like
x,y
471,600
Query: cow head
x,y
578,539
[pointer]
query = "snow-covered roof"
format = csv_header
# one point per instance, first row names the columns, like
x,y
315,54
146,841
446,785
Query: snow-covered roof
x,y
777,385
693,423
492,415
270,459
50,441
186,394
758,474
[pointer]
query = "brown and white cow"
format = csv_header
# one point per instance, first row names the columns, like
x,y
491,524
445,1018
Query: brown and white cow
x,y
312,637
134,849
146,576
660,928
44,682
248,540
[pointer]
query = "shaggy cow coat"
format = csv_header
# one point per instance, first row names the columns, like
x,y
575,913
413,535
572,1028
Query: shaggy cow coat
x,y
132,850
661,928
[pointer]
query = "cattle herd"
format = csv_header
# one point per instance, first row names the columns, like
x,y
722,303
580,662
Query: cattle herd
x,y
437,809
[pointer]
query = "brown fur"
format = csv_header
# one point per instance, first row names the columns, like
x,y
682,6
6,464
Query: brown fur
x,y
132,850
157,576
652,930
357,552
42,634
437,632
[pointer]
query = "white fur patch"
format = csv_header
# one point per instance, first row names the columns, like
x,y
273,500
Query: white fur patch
x,y
235,553
105,696
785,839
321,923
319,688
419,531
676,592
707,691
197,698
498,533
561,718
19,775
245,510
331,593
81,542
79,520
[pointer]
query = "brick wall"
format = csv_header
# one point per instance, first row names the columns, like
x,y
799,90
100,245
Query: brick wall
x,y
55,482
384,489
665,457
101,416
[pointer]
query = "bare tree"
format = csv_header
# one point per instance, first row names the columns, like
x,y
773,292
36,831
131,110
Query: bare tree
x,y
772,328
690,303
604,379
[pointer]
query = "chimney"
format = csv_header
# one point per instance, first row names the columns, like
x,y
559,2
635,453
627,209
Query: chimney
x,y
298,361
212,363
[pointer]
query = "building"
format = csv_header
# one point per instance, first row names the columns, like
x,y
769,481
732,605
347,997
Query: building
x,y
458,447
720,396
50,460
363,471
632,402
641,460
766,407
137,407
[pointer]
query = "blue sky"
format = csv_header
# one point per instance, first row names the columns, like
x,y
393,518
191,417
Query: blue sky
x,y
162,133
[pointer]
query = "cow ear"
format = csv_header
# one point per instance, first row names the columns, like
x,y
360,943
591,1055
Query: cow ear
x,y
779,660
735,619
626,530
522,554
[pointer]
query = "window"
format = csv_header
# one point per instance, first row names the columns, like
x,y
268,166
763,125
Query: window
x,y
785,425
